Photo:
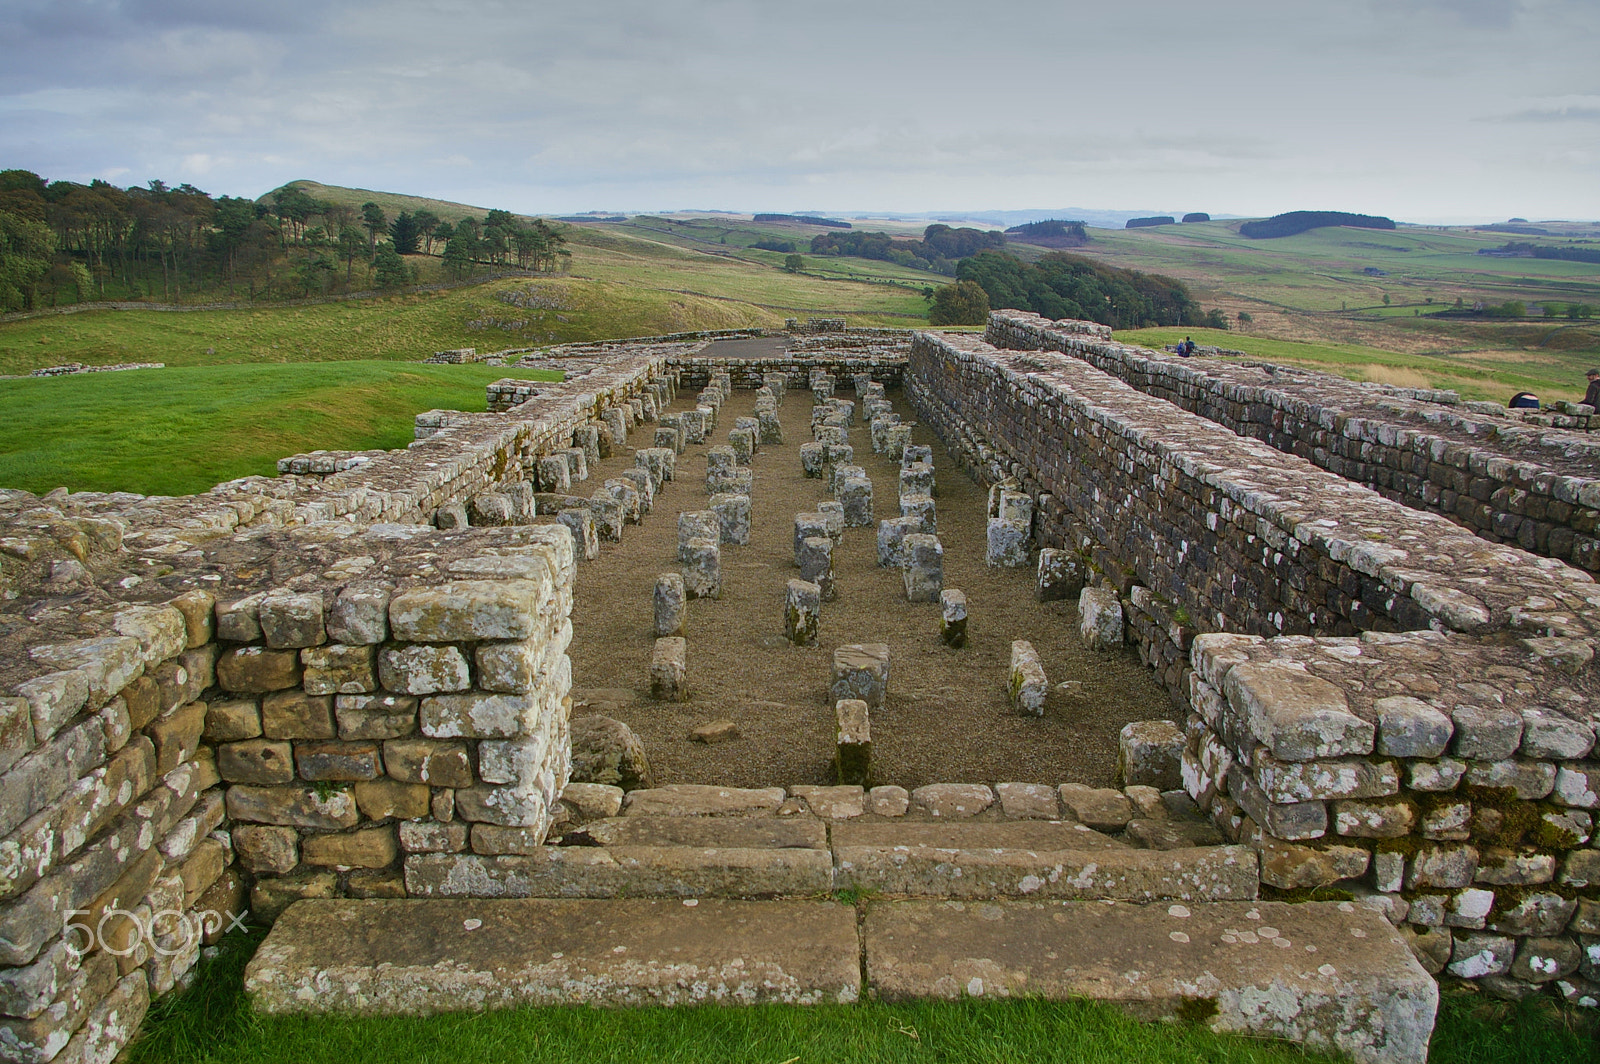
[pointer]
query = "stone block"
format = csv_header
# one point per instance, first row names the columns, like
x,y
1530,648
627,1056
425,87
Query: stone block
x,y
832,511
431,761
291,806
554,473
606,751
697,524
702,568
1061,575
1410,727
1298,716
1148,755
802,612
1548,734
891,540
670,605
382,799
813,459
467,611
256,761
256,670
743,442
232,720
953,800
336,760
669,670
376,716
626,493
853,750
920,507
856,495
815,558
585,532
1100,621
1100,808
577,463
360,615
479,715
841,470
917,479
1289,866
1476,954
1028,801
953,617
733,517
1486,733
422,669
608,516
265,849
1026,684
337,668
861,671
292,620
1380,818
296,716
923,574
491,509
376,847
644,484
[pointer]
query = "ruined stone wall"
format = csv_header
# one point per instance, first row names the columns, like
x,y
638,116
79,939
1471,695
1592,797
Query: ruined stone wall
x,y
284,687
1504,479
885,368
1437,765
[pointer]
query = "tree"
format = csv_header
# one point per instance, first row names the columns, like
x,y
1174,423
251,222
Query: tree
x,y
962,303
351,245
1245,317
1386,299
403,231
375,222
26,247
389,268
794,263
426,222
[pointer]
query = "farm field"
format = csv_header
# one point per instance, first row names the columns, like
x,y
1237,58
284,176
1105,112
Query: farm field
x,y
178,431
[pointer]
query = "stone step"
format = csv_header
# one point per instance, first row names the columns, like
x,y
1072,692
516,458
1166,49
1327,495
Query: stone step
x,y
623,871
411,957
892,864
975,835
1332,975
805,833
1328,974
701,799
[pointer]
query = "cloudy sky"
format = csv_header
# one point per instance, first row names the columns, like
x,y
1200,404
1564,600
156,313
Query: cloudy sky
x,y
1420,109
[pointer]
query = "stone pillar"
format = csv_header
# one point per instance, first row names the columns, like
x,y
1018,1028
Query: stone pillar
x,y
806,526
1026,683
892,532
1100,617
953,617
802,612
669,669
856,494
815,559
854,750
920,507
702,568
861,670
697,524
585,540
923,574
670,605
1061,574
733,516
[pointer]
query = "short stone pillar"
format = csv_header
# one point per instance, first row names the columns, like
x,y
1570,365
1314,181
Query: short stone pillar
x,y
1007,546
853,759
585,540
669,669
916,454
778,382
743,442
923,574
856,494
670,605
806,526
608,516
721,461
771,427
577,464
953,617
917,479
892,532
832,511
733,514
813,459
702,568
614,419
920,507
1013,506
627,494
1061,574
670,437
738,482
697,524
830,436
693,423
491,508
1100,617
1150,754
1026,684
644,484
840,454
802,612
838,474
861,670
555,474
587,439
659,462
815,559
747,422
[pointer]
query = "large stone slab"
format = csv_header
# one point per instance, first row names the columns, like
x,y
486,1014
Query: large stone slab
x,y
1331,975
702,799
805,833
396,957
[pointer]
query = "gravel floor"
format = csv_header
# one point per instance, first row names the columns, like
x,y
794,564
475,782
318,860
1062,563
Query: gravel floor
x,y
947,719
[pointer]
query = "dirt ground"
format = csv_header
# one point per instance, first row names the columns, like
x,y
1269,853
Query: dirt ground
x,y
947,718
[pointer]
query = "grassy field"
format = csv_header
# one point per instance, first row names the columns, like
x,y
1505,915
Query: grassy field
x,y
178,431
211,1023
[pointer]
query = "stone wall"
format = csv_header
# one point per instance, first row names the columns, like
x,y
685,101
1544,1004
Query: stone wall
x,y
1378,702
1505,479
279,688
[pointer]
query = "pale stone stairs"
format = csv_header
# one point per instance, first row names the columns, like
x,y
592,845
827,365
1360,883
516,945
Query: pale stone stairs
x,y
1333,975
724,895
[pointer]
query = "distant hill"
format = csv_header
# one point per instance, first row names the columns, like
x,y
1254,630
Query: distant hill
x,y
804,219
1303,221
1147,223
391,202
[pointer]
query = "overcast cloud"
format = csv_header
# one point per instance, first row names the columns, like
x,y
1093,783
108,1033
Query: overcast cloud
x,y
1420,109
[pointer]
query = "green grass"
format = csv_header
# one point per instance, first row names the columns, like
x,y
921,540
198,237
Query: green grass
x,y
211,1023
1492,374
178,431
